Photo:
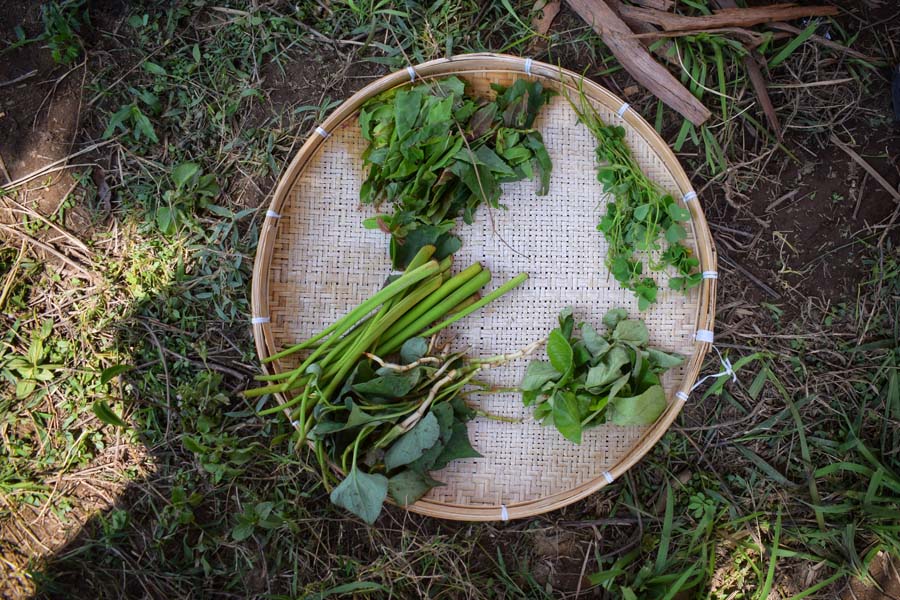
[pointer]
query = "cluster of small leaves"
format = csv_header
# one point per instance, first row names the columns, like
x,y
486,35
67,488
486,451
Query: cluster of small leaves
x,y
29,370
193,189
594,378
363,430
436,154
62,23
639,216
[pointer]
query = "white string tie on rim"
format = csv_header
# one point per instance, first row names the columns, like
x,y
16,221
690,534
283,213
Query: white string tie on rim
x,y
504,514
710,274
411,72
528,66
691,195
608,477
623,109
259,320
272,214
322,132
704,335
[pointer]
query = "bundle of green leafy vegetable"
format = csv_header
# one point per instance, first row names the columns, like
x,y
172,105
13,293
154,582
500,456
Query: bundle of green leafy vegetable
x,y
639,216
386,425
436,154
593,378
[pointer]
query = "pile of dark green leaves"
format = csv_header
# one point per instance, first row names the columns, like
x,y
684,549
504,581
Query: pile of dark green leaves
x,y
436,154
594,378
639,216
392,425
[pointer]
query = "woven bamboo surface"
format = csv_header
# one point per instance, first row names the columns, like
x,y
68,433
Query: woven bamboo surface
x,y
316,261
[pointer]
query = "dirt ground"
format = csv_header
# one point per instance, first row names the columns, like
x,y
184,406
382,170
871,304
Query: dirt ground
x,y
791,236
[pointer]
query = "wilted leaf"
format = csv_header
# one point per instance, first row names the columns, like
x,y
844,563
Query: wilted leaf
x,y
632,331
613,316
643,409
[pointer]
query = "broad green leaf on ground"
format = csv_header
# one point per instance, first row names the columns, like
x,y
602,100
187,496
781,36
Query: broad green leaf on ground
x,y
362,494
106,414
413,443
183,173
109,373
643,409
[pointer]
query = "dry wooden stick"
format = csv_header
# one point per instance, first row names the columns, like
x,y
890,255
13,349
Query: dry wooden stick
x,y
62,161
645,33
865,165
637,60
727,17
93,277
878,178
545,12
657,4
544,19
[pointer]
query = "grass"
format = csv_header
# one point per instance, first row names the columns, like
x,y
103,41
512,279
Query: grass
x,y
783,483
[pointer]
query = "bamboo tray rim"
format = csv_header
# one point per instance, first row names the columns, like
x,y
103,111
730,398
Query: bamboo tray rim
x,y
482,64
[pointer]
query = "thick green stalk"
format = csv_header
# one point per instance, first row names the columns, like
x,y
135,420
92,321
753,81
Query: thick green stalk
x,y
337,328
434,313
509,285
383,321
342,345
349,360
465,303
453,284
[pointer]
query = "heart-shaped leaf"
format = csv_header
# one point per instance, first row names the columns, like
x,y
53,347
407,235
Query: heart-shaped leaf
x,y
362,494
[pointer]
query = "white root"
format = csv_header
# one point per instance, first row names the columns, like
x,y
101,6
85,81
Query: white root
x,y
493,361
425,360
412,419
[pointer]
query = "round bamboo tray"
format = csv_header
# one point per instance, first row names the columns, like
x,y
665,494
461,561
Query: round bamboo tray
x,y
315,261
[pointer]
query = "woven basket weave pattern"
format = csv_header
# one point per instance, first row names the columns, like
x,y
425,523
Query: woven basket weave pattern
x,y
323,262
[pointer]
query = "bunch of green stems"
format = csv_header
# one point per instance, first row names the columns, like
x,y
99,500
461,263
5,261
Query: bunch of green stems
x,y
421,301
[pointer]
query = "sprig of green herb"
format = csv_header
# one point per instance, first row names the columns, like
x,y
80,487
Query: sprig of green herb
x,y
639,216
436,154
594,378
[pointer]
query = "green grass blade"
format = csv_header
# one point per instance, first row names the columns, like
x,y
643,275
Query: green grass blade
x,y
773,561
793,45
666,537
